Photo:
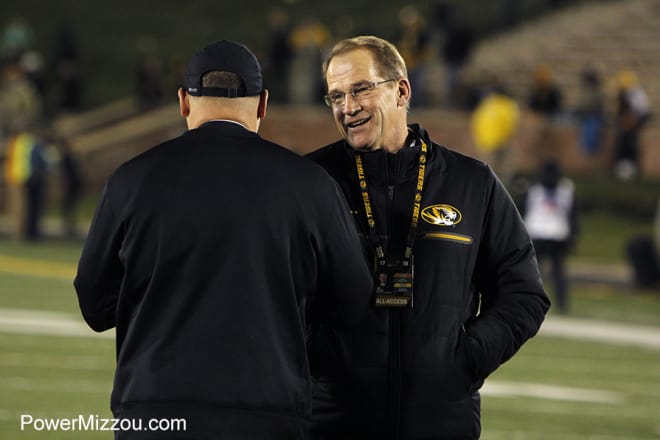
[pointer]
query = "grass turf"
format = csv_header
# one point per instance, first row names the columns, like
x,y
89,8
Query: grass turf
x,y
66,376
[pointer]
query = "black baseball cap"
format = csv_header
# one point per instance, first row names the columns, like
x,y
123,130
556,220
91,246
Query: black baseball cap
x,y
224,56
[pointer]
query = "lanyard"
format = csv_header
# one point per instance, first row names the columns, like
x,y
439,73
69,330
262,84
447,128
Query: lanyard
x,y
417,201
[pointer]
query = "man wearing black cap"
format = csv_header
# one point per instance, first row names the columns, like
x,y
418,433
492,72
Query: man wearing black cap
x,y
211,254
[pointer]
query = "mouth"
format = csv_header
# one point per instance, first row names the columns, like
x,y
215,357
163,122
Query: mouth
x,y
357,123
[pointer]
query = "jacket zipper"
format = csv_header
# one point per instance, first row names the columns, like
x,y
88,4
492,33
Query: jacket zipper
x,y
394,405
395,372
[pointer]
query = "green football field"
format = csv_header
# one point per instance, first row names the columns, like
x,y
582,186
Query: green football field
x,y
52,367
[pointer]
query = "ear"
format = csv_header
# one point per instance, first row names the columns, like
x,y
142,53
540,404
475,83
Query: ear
x,y
403,92
263,104
184,103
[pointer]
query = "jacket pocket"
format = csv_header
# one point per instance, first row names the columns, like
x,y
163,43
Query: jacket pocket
x,y
449,236
465,359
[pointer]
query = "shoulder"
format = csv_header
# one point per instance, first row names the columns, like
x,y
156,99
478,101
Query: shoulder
x,y
472,178
329,154
142,162
309,178
459,164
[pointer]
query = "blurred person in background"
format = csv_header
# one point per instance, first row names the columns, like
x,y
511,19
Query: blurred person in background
x,y
24,163
20,102
590,111
456,52
279,53
545,96
150,74
551,215
25,175
414,43
175,72
632,112
458,289
643,253
656,233
210,254
68,87
494,123
71,185
545,100
17,38
308,40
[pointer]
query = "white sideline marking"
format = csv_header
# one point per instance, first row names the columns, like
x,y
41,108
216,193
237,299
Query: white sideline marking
x,y
33,322
36,322
550,392
602,331
16,383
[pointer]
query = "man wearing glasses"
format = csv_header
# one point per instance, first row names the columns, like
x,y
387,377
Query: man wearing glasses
x,y
457,286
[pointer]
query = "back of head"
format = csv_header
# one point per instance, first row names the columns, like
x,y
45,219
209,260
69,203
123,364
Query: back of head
x,y
388,59
223,81
224,57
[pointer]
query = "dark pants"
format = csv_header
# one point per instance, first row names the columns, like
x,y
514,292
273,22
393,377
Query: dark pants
x,y
34,207
644,260
555,252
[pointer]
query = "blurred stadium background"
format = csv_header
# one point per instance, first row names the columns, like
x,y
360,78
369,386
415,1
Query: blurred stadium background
x,y
593,373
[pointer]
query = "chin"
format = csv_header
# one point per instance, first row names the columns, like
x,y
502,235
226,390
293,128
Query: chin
x,y
361,146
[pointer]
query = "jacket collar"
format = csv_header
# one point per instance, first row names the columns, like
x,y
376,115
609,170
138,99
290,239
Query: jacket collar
x,y
383,168
225,127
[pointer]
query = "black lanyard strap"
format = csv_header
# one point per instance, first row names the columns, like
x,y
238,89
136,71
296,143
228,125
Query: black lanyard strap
x,y
417,201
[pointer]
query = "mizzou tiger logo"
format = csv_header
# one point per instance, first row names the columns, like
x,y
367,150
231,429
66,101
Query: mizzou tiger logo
x,y
442,215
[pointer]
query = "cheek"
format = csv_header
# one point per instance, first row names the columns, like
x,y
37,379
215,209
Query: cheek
x,y
339,118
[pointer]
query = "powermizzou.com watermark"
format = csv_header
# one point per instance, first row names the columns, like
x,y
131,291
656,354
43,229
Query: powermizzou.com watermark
x,y
96,423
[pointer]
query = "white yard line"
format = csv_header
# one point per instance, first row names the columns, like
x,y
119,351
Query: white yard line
x,y
45,323
602,331
550,392
17,383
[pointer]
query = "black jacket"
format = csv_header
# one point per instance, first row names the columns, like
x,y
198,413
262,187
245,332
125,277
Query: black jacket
x,y
211,253
415,373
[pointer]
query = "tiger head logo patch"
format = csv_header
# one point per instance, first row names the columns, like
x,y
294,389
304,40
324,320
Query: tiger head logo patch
x,y
442,215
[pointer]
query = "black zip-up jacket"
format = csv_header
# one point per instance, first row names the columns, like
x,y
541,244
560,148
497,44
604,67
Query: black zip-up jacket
x,y
211,254
415,373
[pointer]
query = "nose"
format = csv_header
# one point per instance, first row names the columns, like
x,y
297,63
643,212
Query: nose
x,y
351,105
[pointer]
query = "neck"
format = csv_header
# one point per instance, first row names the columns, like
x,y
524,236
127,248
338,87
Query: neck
x,y
241,110
395,148
232,121
402,141
197,122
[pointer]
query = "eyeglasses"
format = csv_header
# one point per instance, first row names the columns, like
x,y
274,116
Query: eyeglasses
x,y
358,92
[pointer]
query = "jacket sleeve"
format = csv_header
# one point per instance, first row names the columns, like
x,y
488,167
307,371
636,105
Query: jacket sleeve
x,y
345,283
513,301
100,271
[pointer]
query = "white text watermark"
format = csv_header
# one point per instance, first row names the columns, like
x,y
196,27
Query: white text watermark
x,y
97,423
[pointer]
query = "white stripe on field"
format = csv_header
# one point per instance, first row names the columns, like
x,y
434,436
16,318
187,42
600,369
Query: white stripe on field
x,y
550,392
602,331
22,321
16,383
34,322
